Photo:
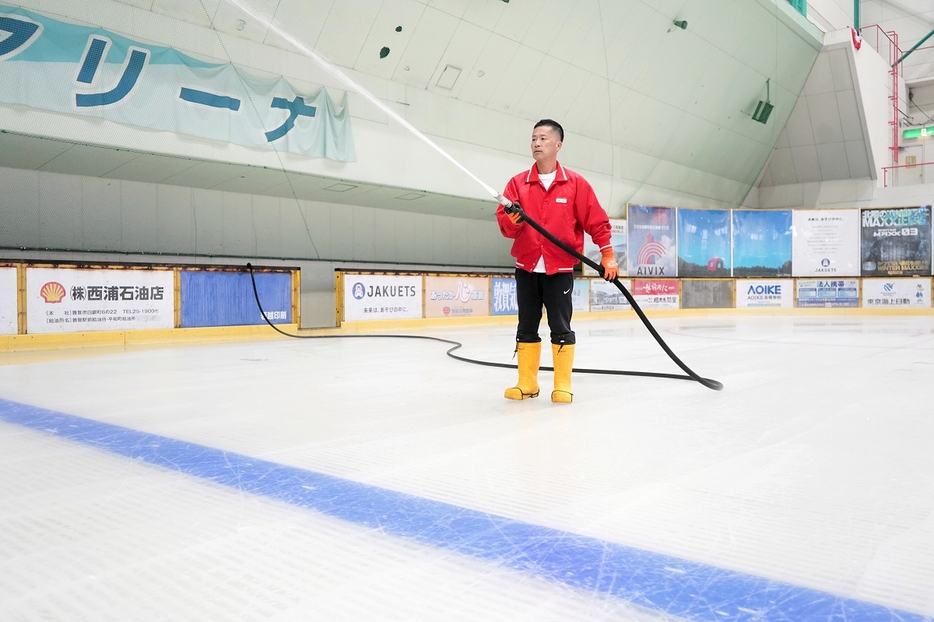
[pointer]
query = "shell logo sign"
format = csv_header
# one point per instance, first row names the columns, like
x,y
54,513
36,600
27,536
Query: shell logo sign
x,y
52,292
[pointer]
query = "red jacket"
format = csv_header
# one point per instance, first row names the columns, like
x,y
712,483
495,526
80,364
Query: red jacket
x,y
567,209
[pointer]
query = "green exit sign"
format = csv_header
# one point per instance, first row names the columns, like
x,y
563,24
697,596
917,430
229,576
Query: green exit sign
x,y
918,132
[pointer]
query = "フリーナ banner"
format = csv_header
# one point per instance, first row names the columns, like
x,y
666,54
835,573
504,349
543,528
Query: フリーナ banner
x,y
69,300
896,242
653,250
381,297
8,309
457,296
826,243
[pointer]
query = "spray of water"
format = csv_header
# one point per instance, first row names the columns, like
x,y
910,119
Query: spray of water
x,y
354,86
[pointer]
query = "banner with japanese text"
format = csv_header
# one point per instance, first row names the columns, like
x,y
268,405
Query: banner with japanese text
x,y
580,296
605,296
381,297
762,243
828,293
456,296
652,241
210,298
619,239
657,293
704,243
826,243
8,309
82,70
897,293
768,293
896,242
503,296
69,300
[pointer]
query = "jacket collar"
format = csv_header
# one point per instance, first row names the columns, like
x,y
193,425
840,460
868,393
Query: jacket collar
x,y
533,178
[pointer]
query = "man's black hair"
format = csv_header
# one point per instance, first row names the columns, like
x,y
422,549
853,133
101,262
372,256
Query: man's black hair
x,y
552,124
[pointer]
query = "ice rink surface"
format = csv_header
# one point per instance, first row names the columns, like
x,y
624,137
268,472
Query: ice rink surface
x,y
378,479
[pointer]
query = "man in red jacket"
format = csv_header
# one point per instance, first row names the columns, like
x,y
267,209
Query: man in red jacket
x,y
563,203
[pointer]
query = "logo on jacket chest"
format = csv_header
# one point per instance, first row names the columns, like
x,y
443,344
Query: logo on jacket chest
x,y
561,200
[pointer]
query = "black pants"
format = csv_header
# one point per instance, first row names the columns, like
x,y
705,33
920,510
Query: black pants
x,y
534,289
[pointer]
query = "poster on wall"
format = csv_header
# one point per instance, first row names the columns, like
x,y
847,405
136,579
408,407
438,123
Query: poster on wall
x,y
897,293
826,243
653,250
704,243
896,241
827,293
503,296
70,300
762,243
619,239
457,296
381,297
605,296
657,293
764,294
580,297
8,301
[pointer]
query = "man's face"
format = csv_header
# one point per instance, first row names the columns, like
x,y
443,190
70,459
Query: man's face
x,y
545,143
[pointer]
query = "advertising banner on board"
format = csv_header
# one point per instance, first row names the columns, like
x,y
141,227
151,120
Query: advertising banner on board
x,y
762,243
767,293
211,298
620,236
69,300
897,293
605,296
8,309
653,250
657,293
503,296
704,243
580,297
707,294
896,242
826,243
827,293
457,296
381,297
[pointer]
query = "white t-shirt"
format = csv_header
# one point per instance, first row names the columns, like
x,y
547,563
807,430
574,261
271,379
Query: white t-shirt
x,y
546,181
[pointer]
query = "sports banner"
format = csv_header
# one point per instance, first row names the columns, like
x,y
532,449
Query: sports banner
x,y
826,243
704,243
897,293
503,296
82,70
657,293
381,297
619,247
896,241
762,243
653,250
69,300
580,297
456,296
605,296
8,308
770,293
829,293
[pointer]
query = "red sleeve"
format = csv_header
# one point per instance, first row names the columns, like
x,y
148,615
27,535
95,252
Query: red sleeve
x,y
592,217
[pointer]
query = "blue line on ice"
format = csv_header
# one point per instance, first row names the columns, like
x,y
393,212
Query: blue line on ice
x,y
652,580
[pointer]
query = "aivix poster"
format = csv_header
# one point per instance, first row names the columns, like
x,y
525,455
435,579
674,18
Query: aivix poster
x,y
653,250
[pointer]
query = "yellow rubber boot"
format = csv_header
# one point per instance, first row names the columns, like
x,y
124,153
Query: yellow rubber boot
x,y
564,362
529,355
